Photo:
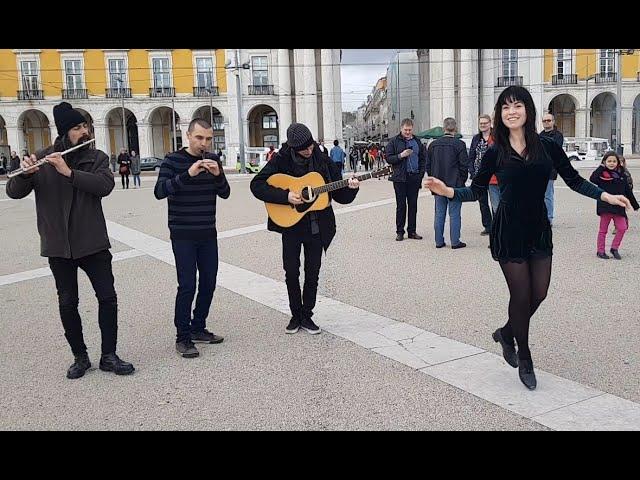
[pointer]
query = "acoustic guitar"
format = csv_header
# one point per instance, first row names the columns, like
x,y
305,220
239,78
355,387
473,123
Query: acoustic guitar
x,y
313,191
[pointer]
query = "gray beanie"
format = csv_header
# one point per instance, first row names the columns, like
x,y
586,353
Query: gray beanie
x,y
299,136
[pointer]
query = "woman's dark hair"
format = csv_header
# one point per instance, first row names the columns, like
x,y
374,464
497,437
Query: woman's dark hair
x,y
501,131
611,153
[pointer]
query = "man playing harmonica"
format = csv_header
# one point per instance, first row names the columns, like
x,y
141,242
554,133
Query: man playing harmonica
x,y
68,193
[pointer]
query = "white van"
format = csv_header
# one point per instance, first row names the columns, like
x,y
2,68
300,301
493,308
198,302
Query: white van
x,y
255,159
585,148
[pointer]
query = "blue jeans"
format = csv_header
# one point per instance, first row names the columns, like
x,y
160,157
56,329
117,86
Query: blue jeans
x,y
548,200
455,221
191,255
494,196
136,178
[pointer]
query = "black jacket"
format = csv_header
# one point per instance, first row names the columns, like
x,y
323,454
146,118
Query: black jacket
x,y
69,210
472,155
283,163
393,150
521,224
615,186
124,159
557,137
447,160
14,163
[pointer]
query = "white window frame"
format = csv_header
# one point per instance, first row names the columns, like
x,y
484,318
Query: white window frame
x,y
511,61
210,54
160,54
565,61
218,121
117,55
267,143
218,144
64,58
28,56
266,69
270,116
600,58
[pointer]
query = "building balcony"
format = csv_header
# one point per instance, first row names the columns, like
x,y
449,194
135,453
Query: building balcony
x,y
30,95
565,79
117,92
261,90
205,91
509,81
161,92
607,77
75,93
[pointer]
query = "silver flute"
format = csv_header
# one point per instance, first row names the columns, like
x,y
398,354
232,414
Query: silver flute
x,y
42,161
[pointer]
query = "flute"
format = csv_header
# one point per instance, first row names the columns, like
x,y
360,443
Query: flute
x,y
42,161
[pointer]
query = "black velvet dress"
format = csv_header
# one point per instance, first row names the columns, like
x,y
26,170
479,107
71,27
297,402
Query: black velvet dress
x,y
521,228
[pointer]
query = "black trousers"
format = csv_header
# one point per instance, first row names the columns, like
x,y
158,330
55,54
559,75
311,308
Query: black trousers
x,y
192,256
98,269
407,199
485,210
292,244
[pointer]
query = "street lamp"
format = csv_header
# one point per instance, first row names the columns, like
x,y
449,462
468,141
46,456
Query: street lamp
x,y
125,140
210,90
236,68
620,52
587,110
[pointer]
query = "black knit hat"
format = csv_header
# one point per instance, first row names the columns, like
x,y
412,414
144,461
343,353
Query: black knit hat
x,y
299,136
66,118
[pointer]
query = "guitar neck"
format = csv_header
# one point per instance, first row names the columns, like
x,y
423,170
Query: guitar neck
x,y
329,187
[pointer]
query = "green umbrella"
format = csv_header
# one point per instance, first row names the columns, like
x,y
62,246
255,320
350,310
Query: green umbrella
x,y
435,132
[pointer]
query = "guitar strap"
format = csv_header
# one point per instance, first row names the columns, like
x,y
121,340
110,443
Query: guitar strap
x,y
313,216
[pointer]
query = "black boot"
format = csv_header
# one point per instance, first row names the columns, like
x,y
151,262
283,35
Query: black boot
x,y
508,351
79,367
110,362
526,373
615,254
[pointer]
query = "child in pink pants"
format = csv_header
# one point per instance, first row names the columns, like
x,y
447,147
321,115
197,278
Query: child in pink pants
x,y
611,178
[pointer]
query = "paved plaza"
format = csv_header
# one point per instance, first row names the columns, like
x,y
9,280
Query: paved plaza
x,y
406,340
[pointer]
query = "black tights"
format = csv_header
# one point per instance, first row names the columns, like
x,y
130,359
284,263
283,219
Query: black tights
x,y
528,285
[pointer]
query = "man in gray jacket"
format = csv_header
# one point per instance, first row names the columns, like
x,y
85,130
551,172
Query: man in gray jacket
x,y
73,233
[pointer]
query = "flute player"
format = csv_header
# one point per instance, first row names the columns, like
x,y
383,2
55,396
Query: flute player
x,y
73,233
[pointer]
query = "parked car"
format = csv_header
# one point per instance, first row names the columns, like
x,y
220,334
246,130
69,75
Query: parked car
x,y
150,163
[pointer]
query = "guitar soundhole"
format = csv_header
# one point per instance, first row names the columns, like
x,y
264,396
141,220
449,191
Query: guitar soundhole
x,y
305,193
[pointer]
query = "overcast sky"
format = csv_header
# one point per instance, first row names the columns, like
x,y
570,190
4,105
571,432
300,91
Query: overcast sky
x,y
360,70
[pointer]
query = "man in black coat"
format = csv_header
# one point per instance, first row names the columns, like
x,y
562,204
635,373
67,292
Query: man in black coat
x,y
297,157
73,233
408,157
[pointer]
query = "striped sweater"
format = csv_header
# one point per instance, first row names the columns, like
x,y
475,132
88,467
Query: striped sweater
x,y
192,200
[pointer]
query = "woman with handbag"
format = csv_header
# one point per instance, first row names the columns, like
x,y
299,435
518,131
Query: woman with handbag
x,y
125,166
